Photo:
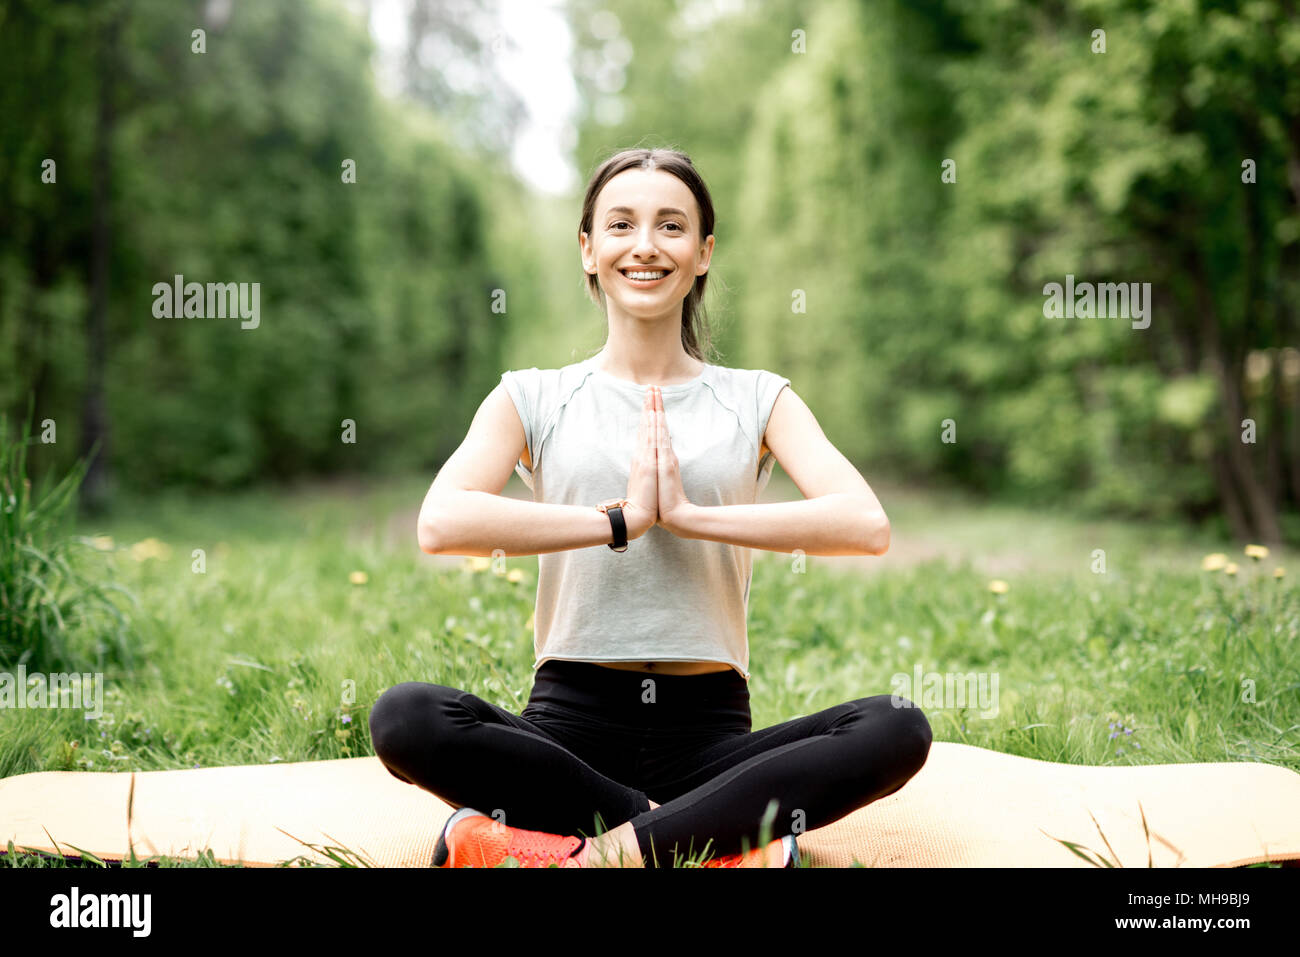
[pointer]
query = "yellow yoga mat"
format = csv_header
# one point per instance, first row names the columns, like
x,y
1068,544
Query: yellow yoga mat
x,y
968,807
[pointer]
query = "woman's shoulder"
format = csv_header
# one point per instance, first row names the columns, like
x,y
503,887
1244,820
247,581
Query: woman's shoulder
x,y
538,392
747,378
541,378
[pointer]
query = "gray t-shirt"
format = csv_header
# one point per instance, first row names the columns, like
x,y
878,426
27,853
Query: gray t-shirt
x,y
665,598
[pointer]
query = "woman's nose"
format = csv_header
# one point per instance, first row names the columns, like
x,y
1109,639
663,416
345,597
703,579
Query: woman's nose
x,y
645,241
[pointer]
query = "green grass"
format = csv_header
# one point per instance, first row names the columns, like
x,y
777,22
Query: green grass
x,y
250,661
53,616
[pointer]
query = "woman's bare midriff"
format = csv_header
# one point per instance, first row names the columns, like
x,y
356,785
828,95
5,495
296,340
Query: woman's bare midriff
x,y
668,667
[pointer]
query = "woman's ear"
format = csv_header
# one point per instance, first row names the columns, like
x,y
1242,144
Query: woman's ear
x,y
706,254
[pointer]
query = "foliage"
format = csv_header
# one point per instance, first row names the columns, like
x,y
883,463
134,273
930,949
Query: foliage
x,y
906,310
228,166
900,304
54,616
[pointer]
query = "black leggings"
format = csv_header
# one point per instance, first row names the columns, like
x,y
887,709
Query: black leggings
x,y
594,745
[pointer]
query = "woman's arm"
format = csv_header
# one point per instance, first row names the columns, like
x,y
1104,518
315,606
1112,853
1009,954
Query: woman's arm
x,y
472,522
840,514
839,523
465,514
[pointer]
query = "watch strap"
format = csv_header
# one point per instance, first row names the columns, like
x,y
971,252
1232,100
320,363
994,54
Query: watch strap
x,y
618,524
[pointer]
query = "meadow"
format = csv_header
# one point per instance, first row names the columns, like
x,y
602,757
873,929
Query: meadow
x,y
263,625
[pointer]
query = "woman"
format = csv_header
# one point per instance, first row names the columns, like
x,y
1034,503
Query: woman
x,y
639,715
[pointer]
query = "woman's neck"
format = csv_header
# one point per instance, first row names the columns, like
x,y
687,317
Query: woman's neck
x,y
681,368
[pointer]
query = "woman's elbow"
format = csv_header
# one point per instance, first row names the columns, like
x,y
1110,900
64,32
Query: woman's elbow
x,y
427,534
877,534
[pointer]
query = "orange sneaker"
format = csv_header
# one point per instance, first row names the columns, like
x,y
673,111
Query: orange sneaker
x,y
780,853
472,839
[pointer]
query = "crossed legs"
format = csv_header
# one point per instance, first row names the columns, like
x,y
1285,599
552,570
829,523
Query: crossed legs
x,y
539,769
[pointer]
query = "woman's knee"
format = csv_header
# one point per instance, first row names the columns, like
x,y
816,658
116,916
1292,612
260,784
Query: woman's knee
x,y
903,725
405,717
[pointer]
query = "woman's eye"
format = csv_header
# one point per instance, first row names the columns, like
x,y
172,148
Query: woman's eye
x,y
677,225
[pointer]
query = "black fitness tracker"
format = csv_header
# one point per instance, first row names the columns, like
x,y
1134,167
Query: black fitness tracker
x,y
614,509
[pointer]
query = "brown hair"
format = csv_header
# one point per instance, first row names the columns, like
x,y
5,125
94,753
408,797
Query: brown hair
x,y
695,324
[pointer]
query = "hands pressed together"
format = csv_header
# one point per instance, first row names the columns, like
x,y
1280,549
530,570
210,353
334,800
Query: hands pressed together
x,y
654,486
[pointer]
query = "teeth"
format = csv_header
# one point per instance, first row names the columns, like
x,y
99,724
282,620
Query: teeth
x,y
646,275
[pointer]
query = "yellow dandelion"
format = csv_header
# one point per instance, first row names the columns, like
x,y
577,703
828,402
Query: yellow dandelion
x,y
1257,551
102,542
1212,563
514,575
480,563
1230,568
150,548
998,586
1279,572
358,578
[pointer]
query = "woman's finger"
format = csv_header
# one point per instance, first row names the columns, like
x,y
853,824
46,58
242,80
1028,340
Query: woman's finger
x,y
647,437
643,427
661,431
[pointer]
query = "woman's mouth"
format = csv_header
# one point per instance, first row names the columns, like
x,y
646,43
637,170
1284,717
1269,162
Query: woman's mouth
x,y
644,278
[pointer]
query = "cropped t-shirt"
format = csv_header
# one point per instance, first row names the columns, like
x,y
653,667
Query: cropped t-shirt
x,y
666,598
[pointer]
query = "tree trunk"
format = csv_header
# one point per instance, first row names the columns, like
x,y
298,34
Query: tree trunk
x,y
1229,497
1294,457
1287,311
94,412
1260,515
1276,424
1293,443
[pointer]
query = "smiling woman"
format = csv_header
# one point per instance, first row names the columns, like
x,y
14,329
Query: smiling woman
x,y
648,214
644,277
641,691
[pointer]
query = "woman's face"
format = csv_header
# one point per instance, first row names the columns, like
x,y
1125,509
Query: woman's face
x,y
646,221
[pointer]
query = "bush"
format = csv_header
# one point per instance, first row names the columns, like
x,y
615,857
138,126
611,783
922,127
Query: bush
x,y
53,618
